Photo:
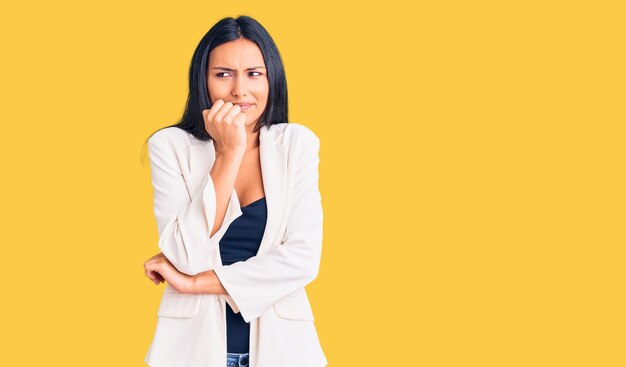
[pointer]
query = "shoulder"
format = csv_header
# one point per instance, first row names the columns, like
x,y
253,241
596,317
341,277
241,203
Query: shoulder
x,y
300,136
171,136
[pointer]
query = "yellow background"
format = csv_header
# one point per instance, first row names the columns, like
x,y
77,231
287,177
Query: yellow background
x,y
472,175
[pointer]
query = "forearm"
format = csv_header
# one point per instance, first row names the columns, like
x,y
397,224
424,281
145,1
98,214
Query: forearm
x,y
224,174
207,282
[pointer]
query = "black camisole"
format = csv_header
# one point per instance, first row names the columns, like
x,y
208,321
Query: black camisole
x,y
240,242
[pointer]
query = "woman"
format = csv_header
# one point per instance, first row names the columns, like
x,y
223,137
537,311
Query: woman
x,y
238,212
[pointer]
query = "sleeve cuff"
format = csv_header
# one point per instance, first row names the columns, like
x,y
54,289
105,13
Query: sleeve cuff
x,y
209,201
231,302
233,209
221,272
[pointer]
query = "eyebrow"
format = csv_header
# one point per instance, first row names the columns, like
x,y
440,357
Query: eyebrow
x,y
228,69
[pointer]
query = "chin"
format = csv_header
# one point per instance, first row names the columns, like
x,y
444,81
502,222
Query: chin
x,y
252,122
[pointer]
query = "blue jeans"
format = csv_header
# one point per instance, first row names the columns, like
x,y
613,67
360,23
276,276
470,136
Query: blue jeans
x,y
237,359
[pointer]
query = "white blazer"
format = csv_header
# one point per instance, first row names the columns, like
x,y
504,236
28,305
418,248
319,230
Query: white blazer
x,y
268,289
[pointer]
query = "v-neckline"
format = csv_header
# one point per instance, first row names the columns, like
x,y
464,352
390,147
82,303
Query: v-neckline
x,y
254,202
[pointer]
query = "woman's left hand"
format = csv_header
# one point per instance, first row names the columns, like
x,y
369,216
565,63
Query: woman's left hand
x,y
159,269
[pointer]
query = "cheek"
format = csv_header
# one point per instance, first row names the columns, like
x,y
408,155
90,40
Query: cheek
x,y
263,95
217,93
211,85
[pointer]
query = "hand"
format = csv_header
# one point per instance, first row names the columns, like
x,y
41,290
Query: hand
x,y
159,269
227,126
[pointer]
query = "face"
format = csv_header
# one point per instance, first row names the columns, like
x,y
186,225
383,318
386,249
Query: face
x,y
237,73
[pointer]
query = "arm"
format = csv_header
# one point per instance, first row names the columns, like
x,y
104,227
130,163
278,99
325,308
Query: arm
x,y
224,174
185,224
207,282
256,284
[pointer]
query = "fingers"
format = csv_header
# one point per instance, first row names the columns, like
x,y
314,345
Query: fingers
x,y
222,112
148,271
154,266
232,113
213,110
240,119
152,276
151,269
226,112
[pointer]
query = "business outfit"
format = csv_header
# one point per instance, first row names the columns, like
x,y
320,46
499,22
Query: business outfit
x,y
267,289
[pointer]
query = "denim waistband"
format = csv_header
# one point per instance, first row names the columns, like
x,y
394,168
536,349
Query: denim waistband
x,y
237,359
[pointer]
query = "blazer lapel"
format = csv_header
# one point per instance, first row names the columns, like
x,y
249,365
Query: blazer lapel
x,y
273,156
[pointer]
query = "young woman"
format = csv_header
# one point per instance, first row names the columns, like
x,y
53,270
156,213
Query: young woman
x,y
238,212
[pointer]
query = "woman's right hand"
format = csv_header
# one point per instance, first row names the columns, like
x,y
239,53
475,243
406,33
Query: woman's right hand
x,y
227,126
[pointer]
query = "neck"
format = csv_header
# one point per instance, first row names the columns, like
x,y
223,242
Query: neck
x,y
252,138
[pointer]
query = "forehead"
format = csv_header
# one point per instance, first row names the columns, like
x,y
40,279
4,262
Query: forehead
x,y
240,53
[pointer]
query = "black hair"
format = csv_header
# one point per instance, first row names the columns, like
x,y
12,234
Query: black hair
x,y
226,30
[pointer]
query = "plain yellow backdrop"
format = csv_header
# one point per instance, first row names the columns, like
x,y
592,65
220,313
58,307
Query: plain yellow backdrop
x,y
472,175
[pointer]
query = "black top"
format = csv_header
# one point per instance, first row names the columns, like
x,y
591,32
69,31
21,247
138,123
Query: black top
x,y
240,242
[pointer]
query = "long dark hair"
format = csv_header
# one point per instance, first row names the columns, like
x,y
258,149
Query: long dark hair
x,y
226,30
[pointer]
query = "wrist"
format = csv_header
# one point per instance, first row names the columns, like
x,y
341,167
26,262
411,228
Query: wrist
x,y
205,282
198,282
230,153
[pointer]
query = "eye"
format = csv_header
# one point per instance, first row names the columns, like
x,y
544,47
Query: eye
x,y
252,72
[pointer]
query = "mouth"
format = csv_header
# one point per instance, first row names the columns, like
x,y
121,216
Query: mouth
x,y
245,106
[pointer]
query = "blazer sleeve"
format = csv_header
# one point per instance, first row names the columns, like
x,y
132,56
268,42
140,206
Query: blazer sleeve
x,y
184,220
256,284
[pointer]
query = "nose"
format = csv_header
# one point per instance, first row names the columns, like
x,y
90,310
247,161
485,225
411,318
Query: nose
x,y
239,86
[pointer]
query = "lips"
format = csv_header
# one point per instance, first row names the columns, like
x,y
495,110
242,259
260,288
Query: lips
x,y
244,106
